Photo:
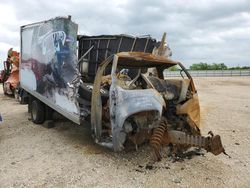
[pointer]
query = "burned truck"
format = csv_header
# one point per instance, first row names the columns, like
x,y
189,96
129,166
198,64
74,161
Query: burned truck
x,y
117,83
9,77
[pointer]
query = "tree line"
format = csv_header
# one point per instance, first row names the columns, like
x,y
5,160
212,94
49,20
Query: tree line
x,y
214,66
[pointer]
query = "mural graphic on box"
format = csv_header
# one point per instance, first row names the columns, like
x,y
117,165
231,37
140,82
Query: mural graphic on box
x,y
49,61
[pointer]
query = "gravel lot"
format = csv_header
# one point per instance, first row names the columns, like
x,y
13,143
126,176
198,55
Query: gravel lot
x,y
66,156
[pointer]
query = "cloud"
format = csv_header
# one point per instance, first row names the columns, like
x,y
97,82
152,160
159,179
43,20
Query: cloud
x,y
197,30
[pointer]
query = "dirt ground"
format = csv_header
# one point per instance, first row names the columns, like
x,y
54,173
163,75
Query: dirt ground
x,y
66,156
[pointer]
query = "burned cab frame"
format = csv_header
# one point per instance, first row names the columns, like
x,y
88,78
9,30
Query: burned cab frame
x,y
145,107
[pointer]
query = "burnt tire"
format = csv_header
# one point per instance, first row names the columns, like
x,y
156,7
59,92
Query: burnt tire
x,y
85,91
37,112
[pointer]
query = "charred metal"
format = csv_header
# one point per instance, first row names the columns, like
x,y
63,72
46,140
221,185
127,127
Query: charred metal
x,y
132,102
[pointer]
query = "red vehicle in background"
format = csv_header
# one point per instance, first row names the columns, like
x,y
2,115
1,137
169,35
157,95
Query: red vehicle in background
x,y
1,75
10,75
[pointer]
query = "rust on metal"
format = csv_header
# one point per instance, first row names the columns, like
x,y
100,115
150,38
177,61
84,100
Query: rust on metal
x,y
163,137
131,104
192,109
10,74
141,59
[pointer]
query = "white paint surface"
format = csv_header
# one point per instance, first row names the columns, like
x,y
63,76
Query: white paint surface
x,y
28,79
65,103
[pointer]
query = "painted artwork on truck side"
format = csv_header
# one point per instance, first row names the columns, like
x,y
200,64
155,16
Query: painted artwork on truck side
x,y
49,61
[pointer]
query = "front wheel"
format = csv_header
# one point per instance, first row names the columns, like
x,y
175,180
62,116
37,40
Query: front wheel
x,y
37,112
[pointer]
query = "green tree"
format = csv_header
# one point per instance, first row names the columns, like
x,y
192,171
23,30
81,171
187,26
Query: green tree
x,y
205,66
173,68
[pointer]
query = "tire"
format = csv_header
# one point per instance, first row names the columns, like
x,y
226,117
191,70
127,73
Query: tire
x,y
37,112
85,91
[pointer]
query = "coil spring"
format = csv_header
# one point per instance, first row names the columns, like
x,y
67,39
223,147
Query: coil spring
x,y
156,139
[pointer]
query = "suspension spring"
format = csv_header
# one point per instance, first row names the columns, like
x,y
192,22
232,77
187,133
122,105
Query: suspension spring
x,y
157,136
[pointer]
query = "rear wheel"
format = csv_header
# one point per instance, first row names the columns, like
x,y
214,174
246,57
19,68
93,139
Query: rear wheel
x,y
37,112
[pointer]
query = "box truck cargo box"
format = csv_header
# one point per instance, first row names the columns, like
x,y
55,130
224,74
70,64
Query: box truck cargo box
x,y
49,63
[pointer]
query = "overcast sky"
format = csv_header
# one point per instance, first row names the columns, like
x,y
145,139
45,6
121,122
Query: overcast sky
x,y
211,31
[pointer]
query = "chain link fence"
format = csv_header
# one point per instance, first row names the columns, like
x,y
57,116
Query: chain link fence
x,y
209,73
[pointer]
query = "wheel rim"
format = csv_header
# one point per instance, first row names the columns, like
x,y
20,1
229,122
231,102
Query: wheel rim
x,y
34,113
